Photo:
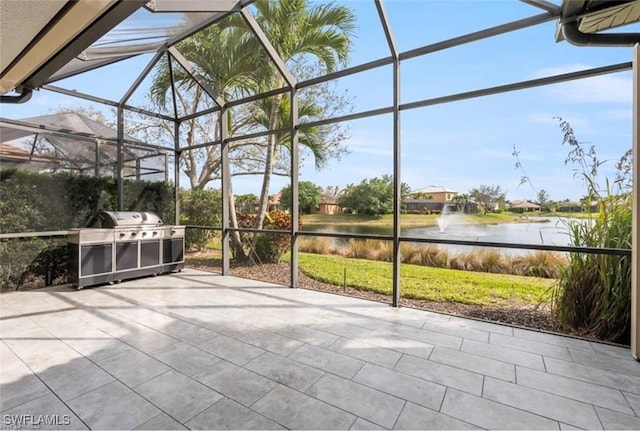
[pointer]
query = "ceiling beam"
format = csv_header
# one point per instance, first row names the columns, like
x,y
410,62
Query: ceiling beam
x,y
98,28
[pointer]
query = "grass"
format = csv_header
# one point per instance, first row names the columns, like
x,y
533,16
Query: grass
x,y
571,215
427,283
429,220
405,219
537,263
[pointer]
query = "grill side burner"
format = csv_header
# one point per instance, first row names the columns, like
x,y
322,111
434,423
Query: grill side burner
x,y
129,245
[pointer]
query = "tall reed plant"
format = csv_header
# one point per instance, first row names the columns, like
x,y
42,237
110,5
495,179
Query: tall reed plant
x,y
593,293
539,263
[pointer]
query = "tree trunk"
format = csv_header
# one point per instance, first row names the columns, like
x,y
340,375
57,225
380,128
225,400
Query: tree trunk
x,y
236,241
268,168
269,163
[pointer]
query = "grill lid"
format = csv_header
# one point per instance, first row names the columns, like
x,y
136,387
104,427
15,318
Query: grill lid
x,y
114,219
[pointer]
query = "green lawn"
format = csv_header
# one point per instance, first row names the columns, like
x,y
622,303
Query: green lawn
x,y
584,215
405,219
426,282
430,220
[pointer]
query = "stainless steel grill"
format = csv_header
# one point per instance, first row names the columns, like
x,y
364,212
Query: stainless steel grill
x,y
128,245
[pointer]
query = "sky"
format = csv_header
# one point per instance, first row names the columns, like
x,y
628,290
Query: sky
x,y
459,145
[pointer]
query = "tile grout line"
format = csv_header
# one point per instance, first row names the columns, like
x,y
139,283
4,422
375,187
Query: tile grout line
x,y
47,386
132,388
578,400
250,407
391,394
329,348
197,325
353,422
444,396
278,382
399,415
364,363
598,417
447,365
546,416
342,409
203,410
512,407
503,347
628,403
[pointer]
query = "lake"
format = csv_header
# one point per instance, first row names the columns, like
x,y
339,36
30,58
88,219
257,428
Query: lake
x,y
535,230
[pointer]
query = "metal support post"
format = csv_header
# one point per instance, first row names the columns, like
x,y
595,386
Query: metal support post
x,y
635,239
226,187
397,184
176,170
120,159
96,169
295,202
397,180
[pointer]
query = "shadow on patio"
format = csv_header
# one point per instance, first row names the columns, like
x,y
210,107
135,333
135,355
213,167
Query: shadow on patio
x,y
203,351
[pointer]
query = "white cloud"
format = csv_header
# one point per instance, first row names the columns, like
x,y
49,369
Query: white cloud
x,y
370,145
611,88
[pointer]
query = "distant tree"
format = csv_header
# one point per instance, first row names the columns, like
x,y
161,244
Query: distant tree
x,y
485,195
460,201
543,198
246,203
371,197
309,195
333,191
422,195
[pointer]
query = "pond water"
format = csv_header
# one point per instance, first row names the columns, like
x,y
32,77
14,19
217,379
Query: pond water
x,y
531,230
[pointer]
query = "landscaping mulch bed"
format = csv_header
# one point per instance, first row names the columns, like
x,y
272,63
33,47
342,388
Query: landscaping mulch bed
x,y
522,315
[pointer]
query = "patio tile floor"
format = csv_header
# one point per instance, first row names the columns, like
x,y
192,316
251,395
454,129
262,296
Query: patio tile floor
x,y
196,350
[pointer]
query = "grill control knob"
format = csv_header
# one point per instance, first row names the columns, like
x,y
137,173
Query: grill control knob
x,y
121,235
173,232
133,234
144,234
155,233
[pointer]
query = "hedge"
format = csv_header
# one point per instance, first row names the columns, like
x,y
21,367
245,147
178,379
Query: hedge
x,y
35,201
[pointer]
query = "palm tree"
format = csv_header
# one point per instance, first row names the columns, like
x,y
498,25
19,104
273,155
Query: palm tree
x,y
222,55
298,28
230,59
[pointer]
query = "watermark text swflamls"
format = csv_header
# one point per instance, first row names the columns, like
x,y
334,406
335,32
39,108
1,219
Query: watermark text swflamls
x,y
21,421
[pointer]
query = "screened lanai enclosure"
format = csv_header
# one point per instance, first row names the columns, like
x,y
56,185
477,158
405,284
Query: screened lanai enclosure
x,y
216,114
69,144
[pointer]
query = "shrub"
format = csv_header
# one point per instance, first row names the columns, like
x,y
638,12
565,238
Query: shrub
x,y
317,245
543,264
267,247
359,248
433,256
201,207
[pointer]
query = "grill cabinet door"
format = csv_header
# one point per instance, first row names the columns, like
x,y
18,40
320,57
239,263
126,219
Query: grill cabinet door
x,y
149,253
95,259
172,250
126,255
